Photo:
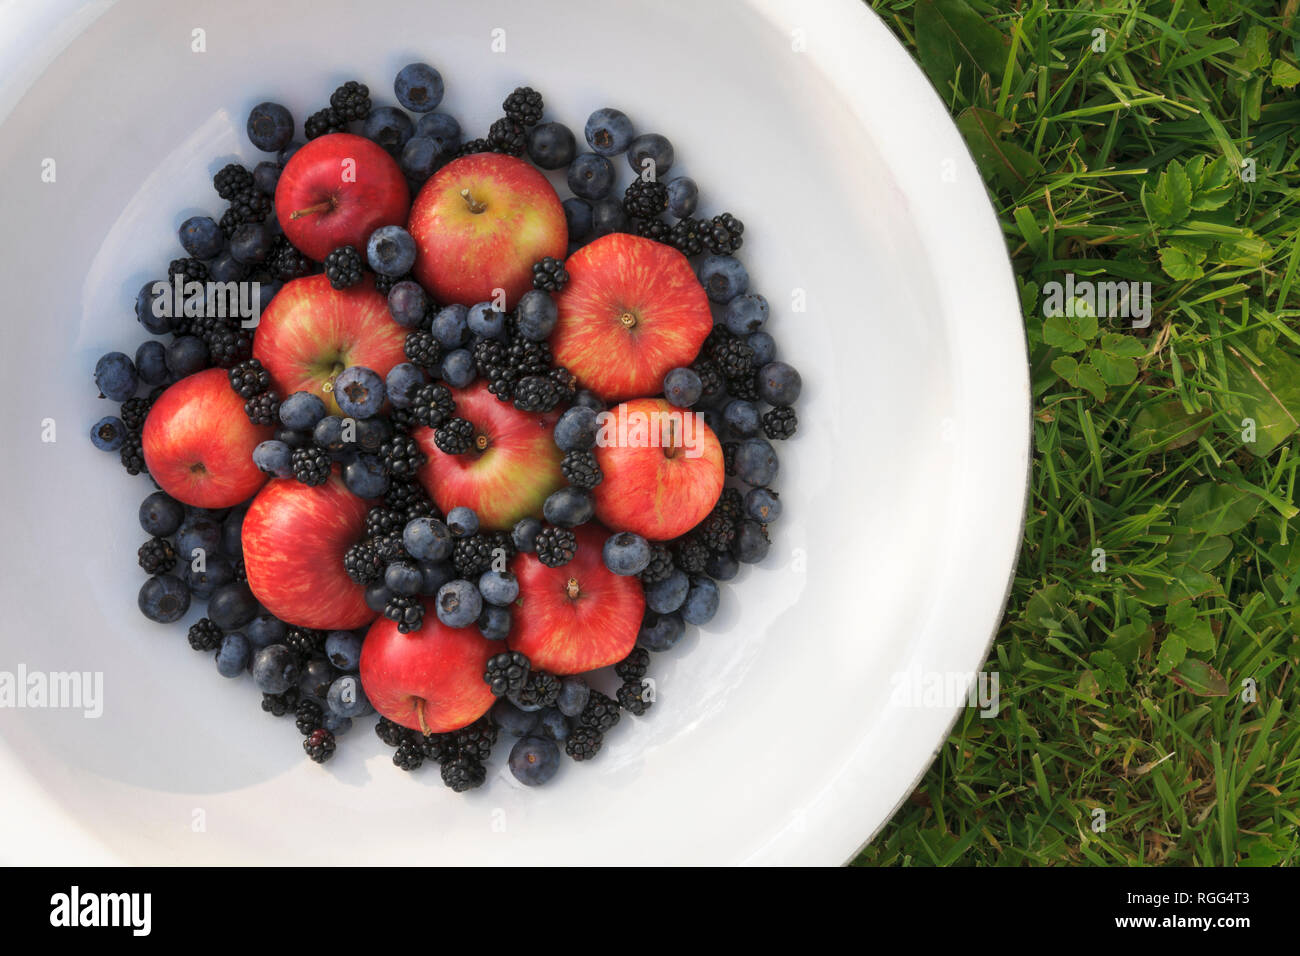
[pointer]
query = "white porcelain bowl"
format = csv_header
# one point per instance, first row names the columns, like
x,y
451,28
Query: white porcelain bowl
x,y
775,738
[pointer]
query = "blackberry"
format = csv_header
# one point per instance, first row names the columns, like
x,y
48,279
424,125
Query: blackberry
x,y
635,666
410,500
229,345
455,437
541,690
263,408
402,420
716,532
249,378
529,358
536,393
645,198
729,449
343,267
549,275
660,566
351,101
383,283
492,360
729,352
506,673
406,612
723,235
422,349
134,412
691,554
601,712
204,635
655,229
475,742
556,546
634,697
156,556
581,469
277,705
507,136
463,774
392,733
311,465
524,106
744,386
472,556
304,641
503,541
780,422
439,747
433,405
402,456
688,236
322,122
231,179
307,717
389,547
566,383
319,745
362,563
383,520
584,743
474,146
711,380
229,222
286,262
408,756
249,205
192,269
131,454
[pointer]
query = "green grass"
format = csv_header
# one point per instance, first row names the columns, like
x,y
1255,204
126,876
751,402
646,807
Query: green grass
x,y
1122,689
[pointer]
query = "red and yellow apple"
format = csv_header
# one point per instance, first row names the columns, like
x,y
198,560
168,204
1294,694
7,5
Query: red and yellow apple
x,y
198,443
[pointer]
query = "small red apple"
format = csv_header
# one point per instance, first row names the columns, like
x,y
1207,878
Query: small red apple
x,y
311,332
632,311
579,616
663,469
516,467
198,443
480,223
337,190
430,680
295,536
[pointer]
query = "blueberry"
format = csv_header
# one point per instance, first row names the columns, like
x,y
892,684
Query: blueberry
x,y
420,158
389,127
764,347
232,606
458,603
742,417
486,321
336,724
427,539
650,151
359,392
535,315
745,313
233,655
266,291
316,677
701,602
751,544
451,325
366,477
266,176
577,216
402,383
607,216
186,355
553,724
403,577
408,304
683,196
458,369
201,237
574,693
462,521
151,362
763,505
274,458
498,587
494,622
626,553
265,629
609,131
301,411
512,721
164,598
347,698
286,154
667,595
198,532
217,572
660,631
551,145
328,433
390,251
721,566
779,384
442,128
371,433
723,278
226,268
161,515
434,574
270,127
534,760
576,429
149,302
418,87
108,433
275,669
590,176
682,387
115,376
756,462
232,532
250,243
569,507
524,534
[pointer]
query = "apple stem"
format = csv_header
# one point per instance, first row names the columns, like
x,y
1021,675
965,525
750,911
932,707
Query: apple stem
x,y
628,320
671,450
473,204
572,589
325,206
481,442
419,715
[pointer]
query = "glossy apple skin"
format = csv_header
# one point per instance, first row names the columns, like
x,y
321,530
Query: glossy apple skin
x,y
438,665
198,443
507,481
320,172
463,255
620,276
311,332
646,491
570,635
294,539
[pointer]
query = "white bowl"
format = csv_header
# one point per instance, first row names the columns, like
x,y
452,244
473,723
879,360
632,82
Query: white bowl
x,y
776,738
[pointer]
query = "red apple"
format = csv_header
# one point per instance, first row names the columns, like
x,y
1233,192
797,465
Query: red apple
x,y
516,467
632,311
337,190
198,443
480,223
430,680
579,616
663,469
311,332
295,536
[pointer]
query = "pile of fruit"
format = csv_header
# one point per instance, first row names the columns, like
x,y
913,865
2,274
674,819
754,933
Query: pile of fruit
x,y
440,457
